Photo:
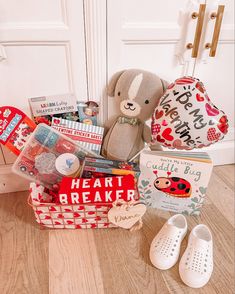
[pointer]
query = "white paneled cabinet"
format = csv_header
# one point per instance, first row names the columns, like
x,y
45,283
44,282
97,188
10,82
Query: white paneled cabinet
x,y
42,52
145,34
44,48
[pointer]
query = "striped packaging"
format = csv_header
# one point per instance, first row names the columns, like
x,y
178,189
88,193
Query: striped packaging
x,y
89,136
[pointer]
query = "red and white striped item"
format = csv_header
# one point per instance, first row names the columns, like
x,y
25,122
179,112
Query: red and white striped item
x,y
58,216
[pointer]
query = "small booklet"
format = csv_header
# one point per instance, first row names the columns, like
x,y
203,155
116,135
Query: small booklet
x,y
88,136
174,181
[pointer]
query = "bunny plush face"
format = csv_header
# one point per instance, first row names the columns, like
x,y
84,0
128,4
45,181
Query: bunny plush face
x,y
137,91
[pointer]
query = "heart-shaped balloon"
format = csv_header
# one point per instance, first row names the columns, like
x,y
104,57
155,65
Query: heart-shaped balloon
x,y
185,118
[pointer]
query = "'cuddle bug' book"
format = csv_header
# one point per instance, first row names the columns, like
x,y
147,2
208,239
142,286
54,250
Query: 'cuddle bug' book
x,y
174,181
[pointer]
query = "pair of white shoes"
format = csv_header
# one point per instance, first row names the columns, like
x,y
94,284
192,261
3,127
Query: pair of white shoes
x,y
196,264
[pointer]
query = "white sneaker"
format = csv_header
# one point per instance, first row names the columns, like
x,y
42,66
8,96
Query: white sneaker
x,y
165,247
196,264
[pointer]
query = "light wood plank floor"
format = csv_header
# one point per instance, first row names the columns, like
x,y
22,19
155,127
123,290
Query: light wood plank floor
x,y
108,261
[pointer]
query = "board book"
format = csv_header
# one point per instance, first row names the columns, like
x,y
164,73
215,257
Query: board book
x,y
174,181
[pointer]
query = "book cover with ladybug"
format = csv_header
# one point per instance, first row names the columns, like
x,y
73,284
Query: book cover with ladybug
x,y
174,181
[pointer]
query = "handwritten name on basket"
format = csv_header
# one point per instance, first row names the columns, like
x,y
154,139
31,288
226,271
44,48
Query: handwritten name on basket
x,y
120,218
102,190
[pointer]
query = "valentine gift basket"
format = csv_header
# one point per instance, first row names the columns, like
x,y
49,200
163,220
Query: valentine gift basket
x,y
51,161
74,187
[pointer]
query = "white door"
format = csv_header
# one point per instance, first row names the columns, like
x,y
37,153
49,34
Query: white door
x,y
145,33
42,52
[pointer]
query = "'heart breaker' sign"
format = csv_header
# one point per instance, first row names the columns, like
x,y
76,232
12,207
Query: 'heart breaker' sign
x,y
97,190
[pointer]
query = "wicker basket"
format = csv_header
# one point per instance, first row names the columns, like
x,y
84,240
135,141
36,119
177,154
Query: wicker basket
x,y
58,216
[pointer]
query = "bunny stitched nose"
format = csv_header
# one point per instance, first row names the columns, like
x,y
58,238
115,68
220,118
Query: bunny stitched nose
x,y
130,104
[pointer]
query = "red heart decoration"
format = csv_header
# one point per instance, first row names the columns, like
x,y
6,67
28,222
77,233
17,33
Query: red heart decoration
x,y
91,212
78,227
159,114
56,121
52,208
76,214
199,98
223,124
164,123
57,223
159,139
70,222
211,111
67,210
167,134
93,226
98,218
39,212
60,215
47,217
84,220
212,135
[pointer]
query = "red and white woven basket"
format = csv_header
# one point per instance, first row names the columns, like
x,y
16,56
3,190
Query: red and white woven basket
x,y
58,216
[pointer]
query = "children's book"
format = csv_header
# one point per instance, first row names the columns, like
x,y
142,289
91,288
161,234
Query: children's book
x,y
174,181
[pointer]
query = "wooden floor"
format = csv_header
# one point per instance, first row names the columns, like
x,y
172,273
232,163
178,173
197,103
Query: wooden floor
x,y
109,261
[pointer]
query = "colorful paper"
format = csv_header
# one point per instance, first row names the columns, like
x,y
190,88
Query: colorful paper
x,y
15,128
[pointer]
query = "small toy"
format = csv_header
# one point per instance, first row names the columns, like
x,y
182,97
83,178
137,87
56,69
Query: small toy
x,y
174,186
88,112
48,156
138,93
15,128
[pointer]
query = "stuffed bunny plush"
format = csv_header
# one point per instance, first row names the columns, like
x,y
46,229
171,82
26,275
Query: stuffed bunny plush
x,y
138,92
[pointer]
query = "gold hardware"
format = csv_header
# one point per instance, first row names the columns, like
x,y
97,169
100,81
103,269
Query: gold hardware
x,y
213,15
200,16
189,46
215,38
194,15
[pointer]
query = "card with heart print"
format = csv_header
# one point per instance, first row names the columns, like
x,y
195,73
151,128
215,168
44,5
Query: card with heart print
x,y
15,128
